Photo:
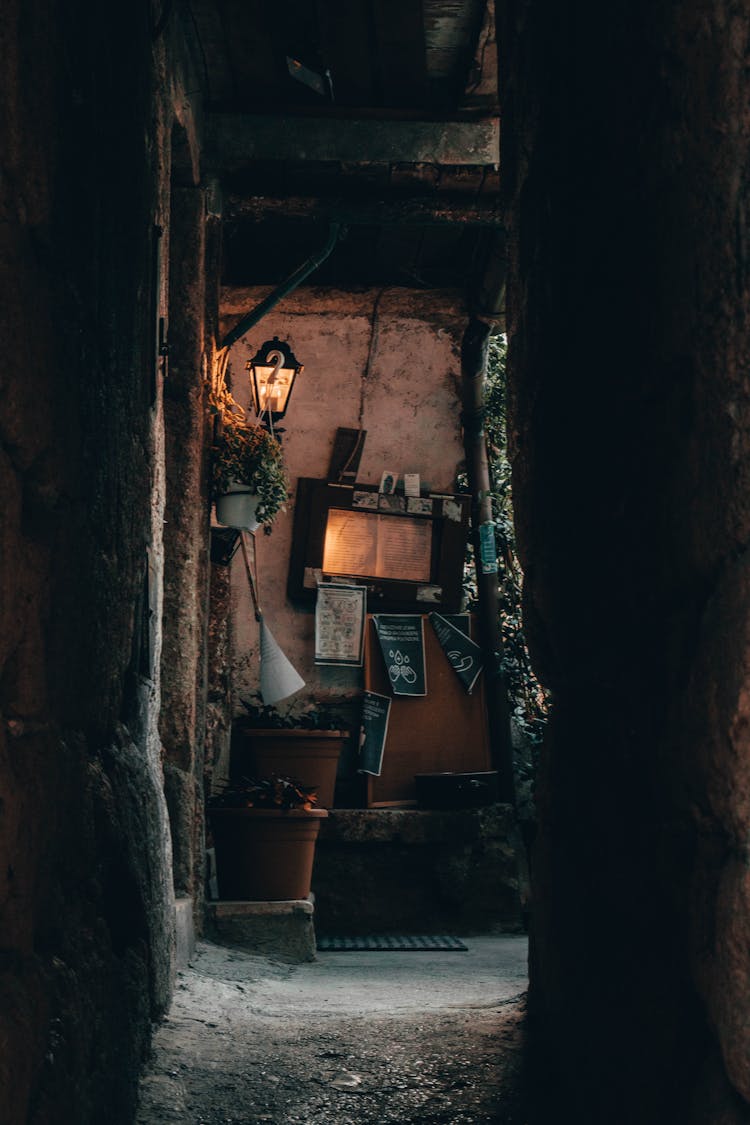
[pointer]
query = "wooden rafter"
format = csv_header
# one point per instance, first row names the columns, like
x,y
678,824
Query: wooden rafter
x,y
235,140
432,211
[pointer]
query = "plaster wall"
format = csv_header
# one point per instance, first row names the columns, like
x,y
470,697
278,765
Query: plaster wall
x,y
387,360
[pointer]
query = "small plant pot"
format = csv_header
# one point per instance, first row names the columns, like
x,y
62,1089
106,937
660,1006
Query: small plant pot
x,y
237,507
309,756
265,855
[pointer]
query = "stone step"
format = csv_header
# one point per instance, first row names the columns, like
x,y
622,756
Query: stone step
x,y
284,930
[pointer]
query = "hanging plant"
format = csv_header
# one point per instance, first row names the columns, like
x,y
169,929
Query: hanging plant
x,y
245,453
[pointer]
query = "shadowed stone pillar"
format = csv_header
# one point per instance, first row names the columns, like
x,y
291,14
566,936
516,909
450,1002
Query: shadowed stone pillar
x,y
626,169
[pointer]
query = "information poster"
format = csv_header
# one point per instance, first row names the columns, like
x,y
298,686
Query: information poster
x,y
401,638
461,621
487,547
373,732
377,546
340,624
464,655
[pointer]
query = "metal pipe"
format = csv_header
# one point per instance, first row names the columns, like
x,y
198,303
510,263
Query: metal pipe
x,y
249,321
473,369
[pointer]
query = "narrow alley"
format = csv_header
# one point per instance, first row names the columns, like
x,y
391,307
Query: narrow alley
x,y
428,1037
375,541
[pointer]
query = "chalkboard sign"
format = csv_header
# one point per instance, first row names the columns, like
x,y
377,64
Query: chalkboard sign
x,y
401,639
464,655
461,621
373,731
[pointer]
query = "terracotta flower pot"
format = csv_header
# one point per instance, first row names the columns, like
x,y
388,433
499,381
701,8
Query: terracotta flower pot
x,y
309,756
265,855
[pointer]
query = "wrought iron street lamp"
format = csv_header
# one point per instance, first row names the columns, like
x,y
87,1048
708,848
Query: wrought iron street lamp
x,y
272,373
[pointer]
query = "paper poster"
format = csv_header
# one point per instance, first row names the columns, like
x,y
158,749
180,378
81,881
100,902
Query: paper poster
x,y
361,499
390,502
487,548
401,638
465,655
340,624
373,732
411,484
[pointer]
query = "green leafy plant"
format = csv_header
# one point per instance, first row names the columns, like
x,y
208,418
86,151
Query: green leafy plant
x,y
245,452
274,792
529,701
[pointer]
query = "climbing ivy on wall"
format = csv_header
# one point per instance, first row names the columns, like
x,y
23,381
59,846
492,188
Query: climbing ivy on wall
x,y
529,701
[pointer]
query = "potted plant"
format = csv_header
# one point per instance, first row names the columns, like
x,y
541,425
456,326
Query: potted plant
x,y
264,832
306,745
247,467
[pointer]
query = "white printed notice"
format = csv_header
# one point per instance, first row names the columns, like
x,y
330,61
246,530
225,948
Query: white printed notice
x,y
340,624
370,545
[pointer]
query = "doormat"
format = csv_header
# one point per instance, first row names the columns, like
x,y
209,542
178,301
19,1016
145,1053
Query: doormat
x,y
389,942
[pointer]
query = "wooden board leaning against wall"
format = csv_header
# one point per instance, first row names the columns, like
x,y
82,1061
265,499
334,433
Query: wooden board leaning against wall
x,y
443,730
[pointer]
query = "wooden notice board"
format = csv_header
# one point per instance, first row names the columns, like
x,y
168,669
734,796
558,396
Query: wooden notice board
x,y
445,730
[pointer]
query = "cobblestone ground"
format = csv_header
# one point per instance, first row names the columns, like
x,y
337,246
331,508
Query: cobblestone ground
x,y
403,1040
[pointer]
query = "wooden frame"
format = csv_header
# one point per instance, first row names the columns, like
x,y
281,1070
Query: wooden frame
x,y
449,519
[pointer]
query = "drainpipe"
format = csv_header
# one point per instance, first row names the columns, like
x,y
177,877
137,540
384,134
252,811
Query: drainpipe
x,y
249,321
473,370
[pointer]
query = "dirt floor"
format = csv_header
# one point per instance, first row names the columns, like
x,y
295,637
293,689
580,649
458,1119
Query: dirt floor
x,y
352,1038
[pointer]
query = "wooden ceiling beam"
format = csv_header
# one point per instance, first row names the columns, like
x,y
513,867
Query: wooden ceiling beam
x,y
425,212
234,141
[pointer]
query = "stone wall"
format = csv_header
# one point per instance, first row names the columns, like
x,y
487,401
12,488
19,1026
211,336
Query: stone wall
x,y
626,168
416,871
182,720
86,901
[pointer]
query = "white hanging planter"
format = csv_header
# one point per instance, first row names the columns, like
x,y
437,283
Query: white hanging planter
x,y
236,508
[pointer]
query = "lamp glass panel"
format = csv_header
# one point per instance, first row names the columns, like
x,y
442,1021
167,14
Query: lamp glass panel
x,y
273,386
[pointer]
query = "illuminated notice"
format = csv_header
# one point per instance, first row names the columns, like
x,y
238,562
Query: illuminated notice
x,y
339,624
369,545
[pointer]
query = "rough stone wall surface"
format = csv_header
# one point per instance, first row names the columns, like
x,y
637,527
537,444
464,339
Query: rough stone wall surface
x,y
219,701
186,531
388,360
626,170
86,904
434,871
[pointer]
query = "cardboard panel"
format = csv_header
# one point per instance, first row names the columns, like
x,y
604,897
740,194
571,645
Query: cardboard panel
x,y
444,730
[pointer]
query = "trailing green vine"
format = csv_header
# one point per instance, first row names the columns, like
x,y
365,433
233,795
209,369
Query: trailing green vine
x,y
529,701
